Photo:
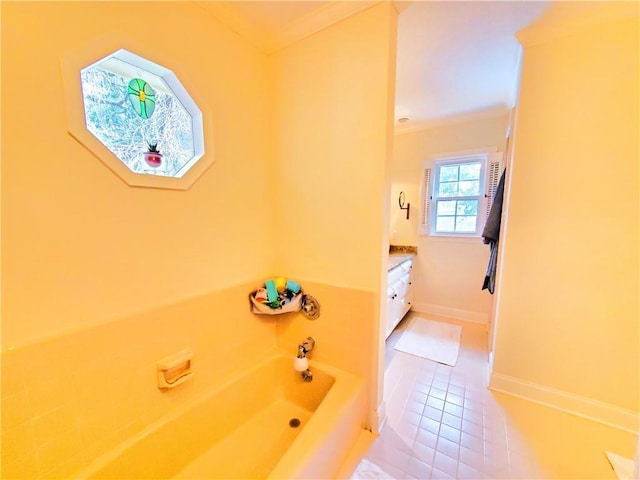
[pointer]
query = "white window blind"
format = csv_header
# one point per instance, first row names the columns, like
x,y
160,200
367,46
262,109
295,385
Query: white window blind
x,y
494,170
426,186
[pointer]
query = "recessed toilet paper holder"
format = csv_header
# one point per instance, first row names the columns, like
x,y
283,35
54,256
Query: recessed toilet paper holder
x,y
174,369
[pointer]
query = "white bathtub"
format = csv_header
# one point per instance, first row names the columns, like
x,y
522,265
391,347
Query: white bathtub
x,y
242,430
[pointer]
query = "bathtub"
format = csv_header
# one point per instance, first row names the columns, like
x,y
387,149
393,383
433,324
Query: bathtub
x,y
266,424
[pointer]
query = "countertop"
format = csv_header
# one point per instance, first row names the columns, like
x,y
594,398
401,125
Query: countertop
x,y
396,259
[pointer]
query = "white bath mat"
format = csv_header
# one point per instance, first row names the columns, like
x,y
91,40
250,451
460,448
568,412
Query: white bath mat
x,y
366,470
435,341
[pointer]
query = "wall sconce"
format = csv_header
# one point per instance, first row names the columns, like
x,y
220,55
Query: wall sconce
x,y
401,203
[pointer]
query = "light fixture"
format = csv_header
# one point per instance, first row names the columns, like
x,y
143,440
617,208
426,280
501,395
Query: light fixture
x,y
401,203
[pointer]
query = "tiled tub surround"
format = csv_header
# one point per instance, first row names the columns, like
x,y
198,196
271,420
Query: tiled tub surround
x,y
68,400
242,430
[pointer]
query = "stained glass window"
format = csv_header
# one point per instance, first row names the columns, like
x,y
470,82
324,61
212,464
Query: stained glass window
x,y
131,103
142,97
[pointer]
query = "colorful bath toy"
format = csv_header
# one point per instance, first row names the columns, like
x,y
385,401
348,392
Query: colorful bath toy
x,y
281,284
293,286
272,292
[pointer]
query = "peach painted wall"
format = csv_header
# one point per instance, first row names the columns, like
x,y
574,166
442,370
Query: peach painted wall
x,y
100,280
333,115
568,308
448,271
333,103
80,247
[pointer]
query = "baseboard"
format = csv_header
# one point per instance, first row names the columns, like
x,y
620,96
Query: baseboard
x,y
601,412
379,418
489,369
456,313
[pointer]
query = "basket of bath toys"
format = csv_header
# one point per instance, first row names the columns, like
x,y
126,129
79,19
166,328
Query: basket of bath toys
x,y
279,295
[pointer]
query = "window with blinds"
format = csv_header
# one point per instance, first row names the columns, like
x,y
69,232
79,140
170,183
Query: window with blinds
x,y
457,193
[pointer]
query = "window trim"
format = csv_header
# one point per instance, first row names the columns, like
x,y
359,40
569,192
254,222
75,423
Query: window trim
x,y
74,61
128,65
437,165
490,159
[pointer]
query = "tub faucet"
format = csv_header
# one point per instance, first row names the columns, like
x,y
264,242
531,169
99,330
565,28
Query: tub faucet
x,y
306,347
301,363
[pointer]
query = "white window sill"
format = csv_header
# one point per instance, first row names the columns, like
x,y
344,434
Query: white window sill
x,y
454,239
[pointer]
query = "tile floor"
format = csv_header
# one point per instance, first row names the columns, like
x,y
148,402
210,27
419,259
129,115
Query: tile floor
x,y
442,422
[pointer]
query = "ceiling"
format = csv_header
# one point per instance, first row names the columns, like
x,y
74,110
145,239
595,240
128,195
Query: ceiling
x,y
458,58
455,59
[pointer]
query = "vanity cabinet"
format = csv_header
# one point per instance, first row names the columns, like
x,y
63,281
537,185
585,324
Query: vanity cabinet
x,y
399,293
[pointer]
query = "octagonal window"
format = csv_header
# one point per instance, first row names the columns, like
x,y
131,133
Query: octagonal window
x,y
142,114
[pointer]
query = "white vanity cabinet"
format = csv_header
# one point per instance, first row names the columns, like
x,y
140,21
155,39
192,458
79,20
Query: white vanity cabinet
x,y
399,292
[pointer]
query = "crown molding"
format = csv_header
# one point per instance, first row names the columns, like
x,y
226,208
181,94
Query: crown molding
x,y
270,41
238,22
565,18
319,19
417,126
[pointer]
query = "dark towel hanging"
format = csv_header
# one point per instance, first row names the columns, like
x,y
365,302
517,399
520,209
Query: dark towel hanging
x,y
491,235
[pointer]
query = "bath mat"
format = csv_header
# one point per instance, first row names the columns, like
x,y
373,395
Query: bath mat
x,y
435,341
366,469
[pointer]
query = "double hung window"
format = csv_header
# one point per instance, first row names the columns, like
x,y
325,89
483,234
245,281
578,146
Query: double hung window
x,y
457,192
